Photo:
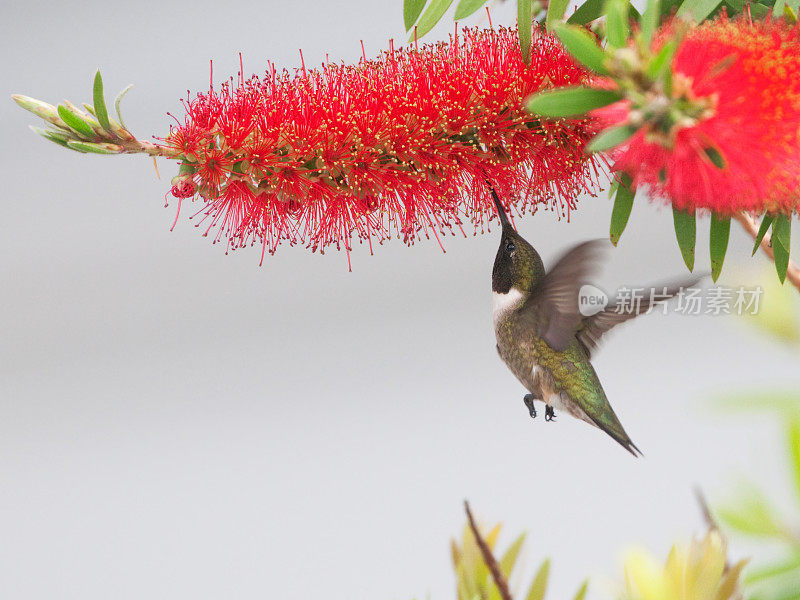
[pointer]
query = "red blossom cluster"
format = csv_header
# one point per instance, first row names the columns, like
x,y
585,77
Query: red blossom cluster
x,y
742,151
400,145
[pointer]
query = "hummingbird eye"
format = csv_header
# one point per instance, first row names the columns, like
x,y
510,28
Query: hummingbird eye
x,y
510,247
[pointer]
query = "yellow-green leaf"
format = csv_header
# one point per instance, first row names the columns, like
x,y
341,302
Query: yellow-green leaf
x,y
467,7
582,46
411,12
555,12
617,27
610,138
510,557
75,122
431,16
100,110
539,586
697,9
581,593
570,101
793,437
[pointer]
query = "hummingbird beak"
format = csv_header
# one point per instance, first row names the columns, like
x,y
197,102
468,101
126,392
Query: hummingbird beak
x,y
501,212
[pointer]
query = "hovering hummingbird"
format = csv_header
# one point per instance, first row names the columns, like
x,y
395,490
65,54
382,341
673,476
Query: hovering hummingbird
x,y
542,336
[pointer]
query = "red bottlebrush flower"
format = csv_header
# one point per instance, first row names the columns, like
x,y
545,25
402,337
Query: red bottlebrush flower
x,y
737,145
400,145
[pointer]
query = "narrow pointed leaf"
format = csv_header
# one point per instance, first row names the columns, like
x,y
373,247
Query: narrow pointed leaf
x,y
555,12
781,238
718,244
49,134
76,123
793,437
623,203
467,7
539,585
100,110
411,12
94,148
617,28
43,110
582,46
650,20
432,15
686,234
697,10
581,593
588,11
570,101
660,63
117,103
766,223
524,28
510,557
610,138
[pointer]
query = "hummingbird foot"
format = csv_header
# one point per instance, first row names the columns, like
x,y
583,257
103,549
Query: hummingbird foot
x,y
549,413
528,399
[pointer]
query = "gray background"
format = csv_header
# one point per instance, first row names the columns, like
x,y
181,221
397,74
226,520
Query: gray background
x,y
177,423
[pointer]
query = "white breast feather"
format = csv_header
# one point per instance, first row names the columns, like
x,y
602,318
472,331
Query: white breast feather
x,y
502,303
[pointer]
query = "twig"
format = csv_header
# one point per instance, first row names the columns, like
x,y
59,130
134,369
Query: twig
x,y
746,221
488,557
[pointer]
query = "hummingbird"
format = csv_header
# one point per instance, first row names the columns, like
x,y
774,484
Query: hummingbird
x,y
542,336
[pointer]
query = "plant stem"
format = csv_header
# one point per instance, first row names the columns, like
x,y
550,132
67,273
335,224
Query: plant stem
x,y
749,224
488,557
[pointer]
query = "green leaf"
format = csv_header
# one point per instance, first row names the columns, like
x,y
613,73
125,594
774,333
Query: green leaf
x,y
718,244
610,138
94,148
715,157
660,63
467,7
570,101
777,569
623,203
117,103
686,234
784,402
766,223
752,515
510,557
777,8
57,137
76,123
555,12
617,27
793,437
524,28
650,20
432,15
100,110
697,9
588,11
539,585
581,593
411,12
582,46
781,238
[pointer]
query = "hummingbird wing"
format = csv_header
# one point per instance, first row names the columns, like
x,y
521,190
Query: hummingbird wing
x,y
592,328
552,307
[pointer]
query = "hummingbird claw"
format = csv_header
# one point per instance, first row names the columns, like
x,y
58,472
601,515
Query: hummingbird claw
x,y
549,413
528,399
